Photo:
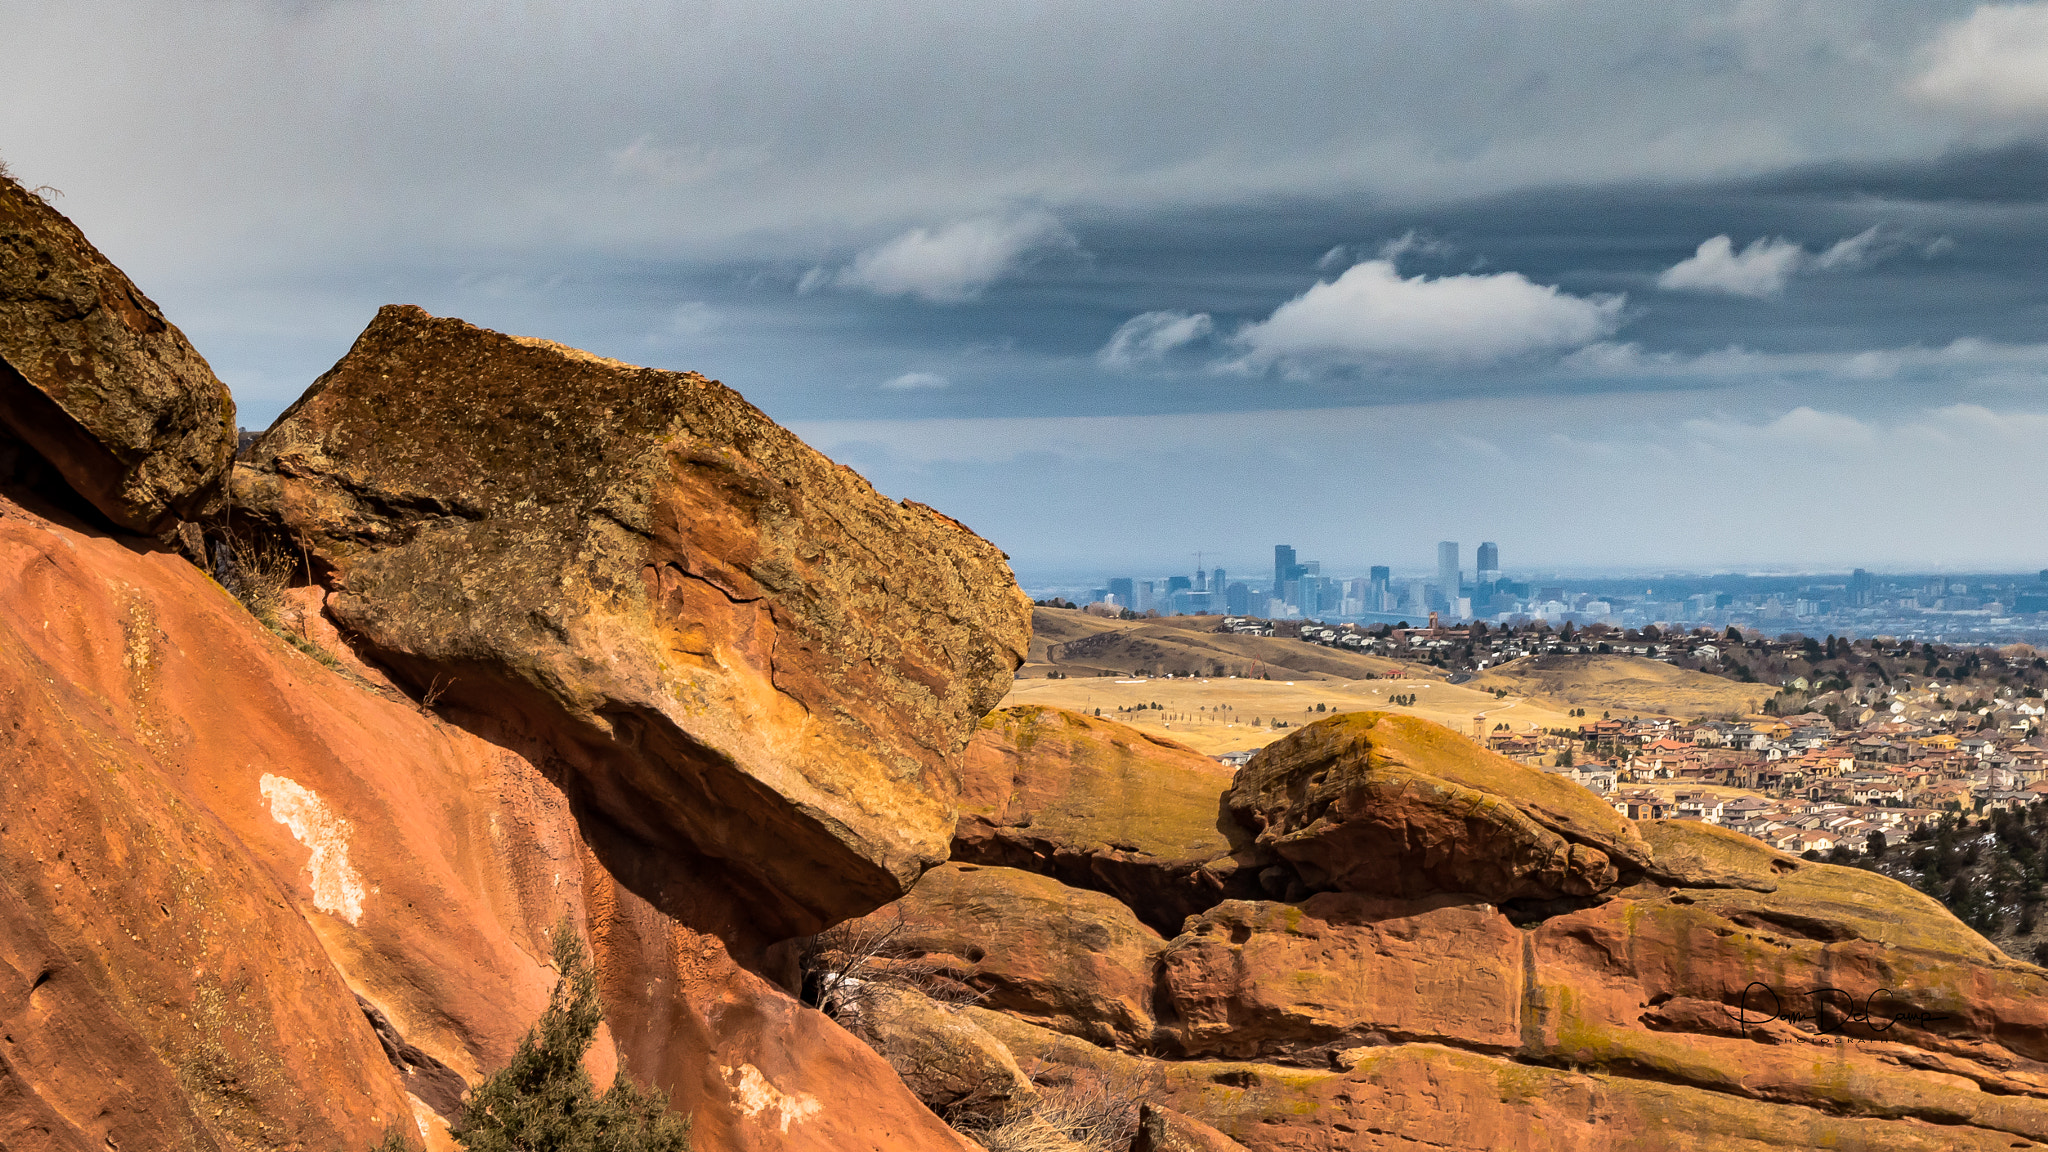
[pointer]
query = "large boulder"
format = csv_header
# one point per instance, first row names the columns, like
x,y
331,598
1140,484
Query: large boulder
x,y
1074,960
953,1065
1386,804
751,672
1097,804
97,382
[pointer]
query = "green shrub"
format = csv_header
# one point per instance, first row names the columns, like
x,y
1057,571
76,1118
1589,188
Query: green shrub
x,y
543,1101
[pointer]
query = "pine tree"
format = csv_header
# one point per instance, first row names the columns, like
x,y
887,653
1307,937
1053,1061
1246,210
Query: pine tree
x,y
543,1101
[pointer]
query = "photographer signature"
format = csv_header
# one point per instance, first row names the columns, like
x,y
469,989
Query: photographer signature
x,y
1753,1009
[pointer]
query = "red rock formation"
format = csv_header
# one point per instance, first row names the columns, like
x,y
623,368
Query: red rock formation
x,y
1162,1129
1384,804
1628,1017
1076,961
211,839
97,382
751,672
1096,804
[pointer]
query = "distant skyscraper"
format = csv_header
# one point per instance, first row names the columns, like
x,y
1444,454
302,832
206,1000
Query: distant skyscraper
x,y
1859,588
1489,562
1217,581
1122,588
1283,565
1447,573
1237,599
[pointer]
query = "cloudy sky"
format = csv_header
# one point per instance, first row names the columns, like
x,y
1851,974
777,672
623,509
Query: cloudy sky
x,y
1651,286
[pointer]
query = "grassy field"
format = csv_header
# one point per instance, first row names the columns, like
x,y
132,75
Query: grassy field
x,y
1231,689
1083,645
1218,714
1623,685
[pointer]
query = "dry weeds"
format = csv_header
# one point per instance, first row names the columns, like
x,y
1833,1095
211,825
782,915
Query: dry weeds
x,y
259,572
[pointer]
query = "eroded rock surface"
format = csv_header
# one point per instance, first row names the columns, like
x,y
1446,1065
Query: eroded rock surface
x,y
715,639
1097,804
1383,804
1074,960
1161,1129
97,382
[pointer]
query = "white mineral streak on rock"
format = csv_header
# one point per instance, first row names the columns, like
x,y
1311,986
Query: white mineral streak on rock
x,y
757,1095
337,888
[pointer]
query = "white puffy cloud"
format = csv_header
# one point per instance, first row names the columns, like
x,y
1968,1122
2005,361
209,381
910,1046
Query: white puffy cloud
x,y
955,262
912,381
1372,313
1995,60
1764,267
1865,247
1147,338
1759,270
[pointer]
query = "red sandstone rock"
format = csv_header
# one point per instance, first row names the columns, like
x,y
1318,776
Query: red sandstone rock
x,y
97,382
213,843
1097,804
1393,805
751,672
1074,960
1257,980
1161,1129
1382,1022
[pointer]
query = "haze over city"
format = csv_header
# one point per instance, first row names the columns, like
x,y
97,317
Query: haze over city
x,y
1698,285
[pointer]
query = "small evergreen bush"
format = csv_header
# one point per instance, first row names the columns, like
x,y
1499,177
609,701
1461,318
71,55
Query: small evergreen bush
x,y
543,1101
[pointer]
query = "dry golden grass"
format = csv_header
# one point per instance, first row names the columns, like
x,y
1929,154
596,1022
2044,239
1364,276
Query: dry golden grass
x,y
1623,685
1214,715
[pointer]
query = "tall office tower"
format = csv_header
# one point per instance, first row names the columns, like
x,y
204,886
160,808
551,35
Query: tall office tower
x,y
1447,573
1379,595
1311,598
1283,565
1217,581
1121,588
1237,599
1489,562
1146,597
1859,588
1201,580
